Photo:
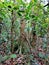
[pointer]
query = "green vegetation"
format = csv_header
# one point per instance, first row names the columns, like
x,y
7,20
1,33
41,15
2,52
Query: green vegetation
x,y
24,33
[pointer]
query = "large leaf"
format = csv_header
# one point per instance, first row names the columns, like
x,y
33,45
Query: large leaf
x,y
13,56
41,55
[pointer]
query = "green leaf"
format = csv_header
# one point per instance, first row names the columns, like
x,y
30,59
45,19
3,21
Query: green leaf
x,y
13,56
44,46
41,55
3,58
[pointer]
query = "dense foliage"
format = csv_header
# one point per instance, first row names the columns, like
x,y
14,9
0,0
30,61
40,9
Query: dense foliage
x,y
24,32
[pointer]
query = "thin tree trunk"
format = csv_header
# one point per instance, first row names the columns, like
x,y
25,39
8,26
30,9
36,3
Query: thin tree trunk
x,y
12,39
12,32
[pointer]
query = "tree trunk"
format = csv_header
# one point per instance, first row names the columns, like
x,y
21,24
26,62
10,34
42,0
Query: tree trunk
x,y
13,14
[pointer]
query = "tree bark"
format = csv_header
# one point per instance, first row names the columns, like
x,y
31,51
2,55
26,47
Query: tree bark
x,y
13,14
